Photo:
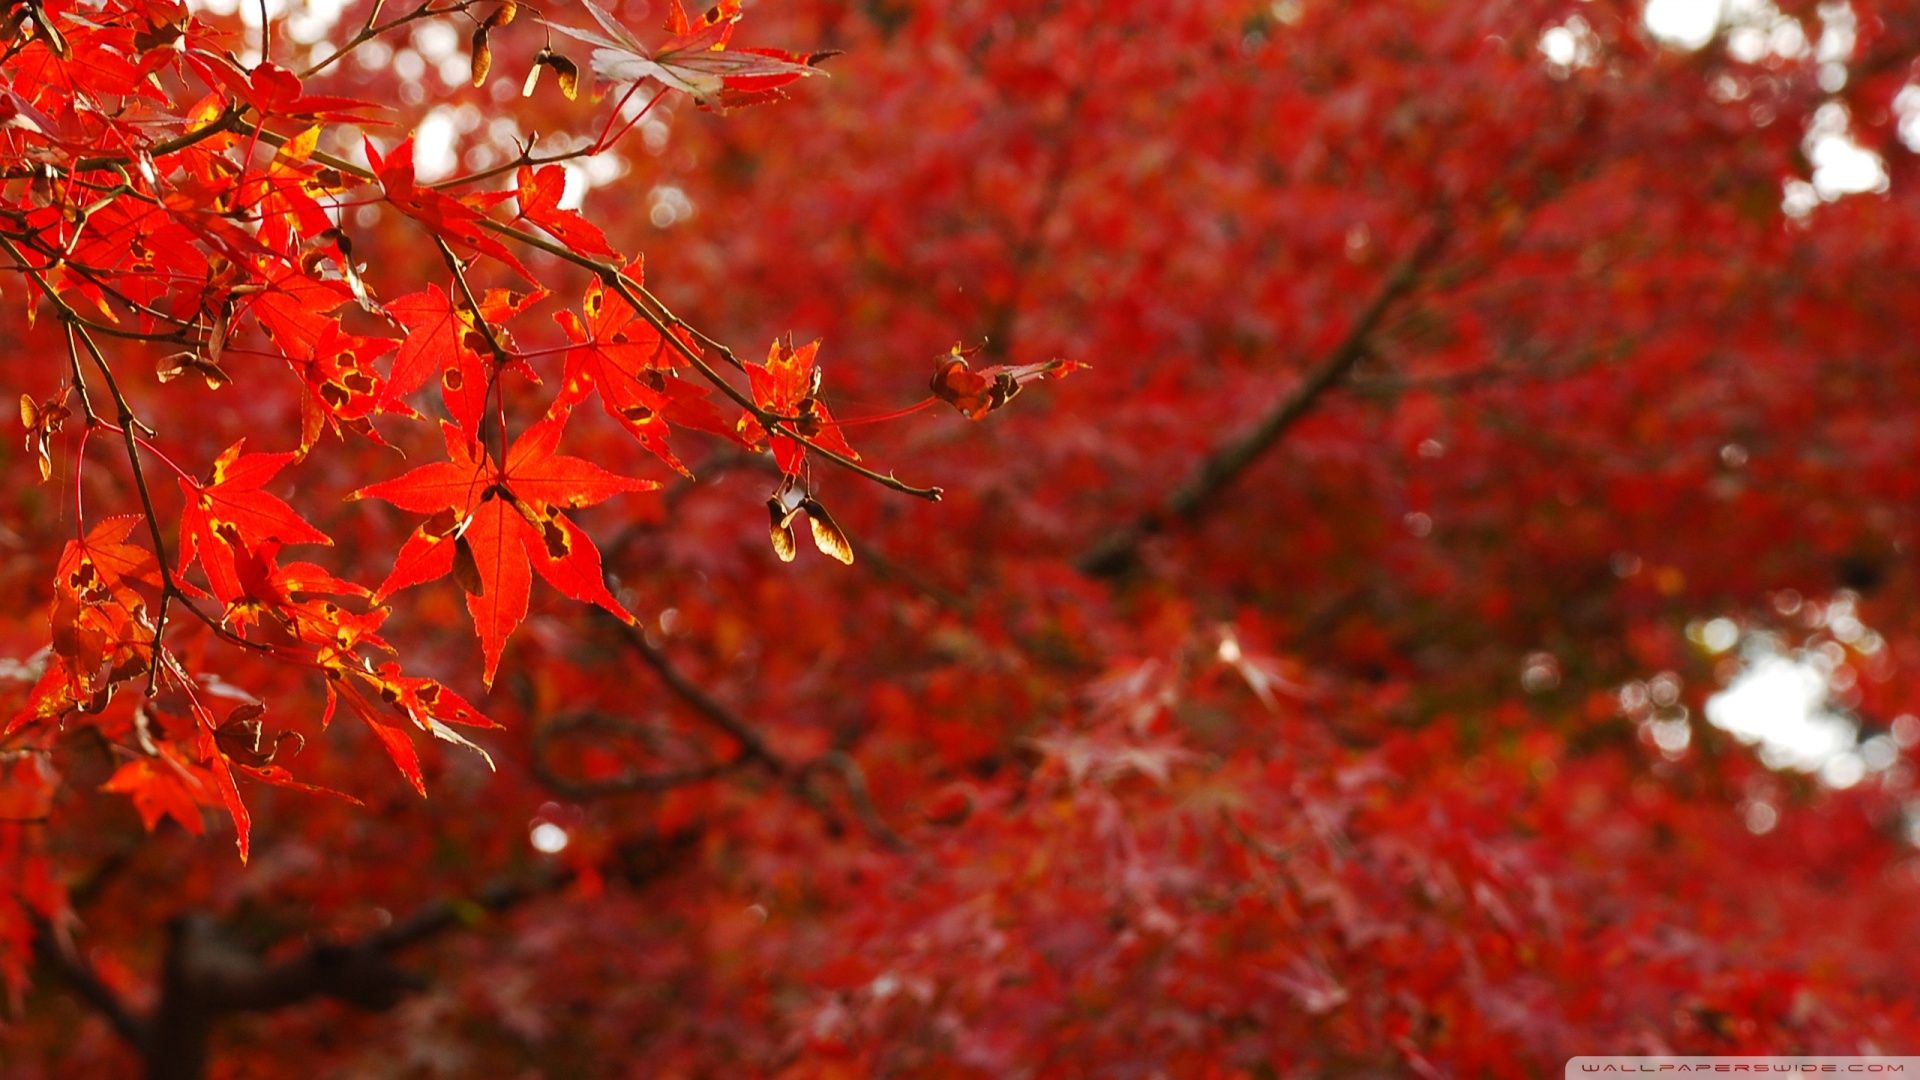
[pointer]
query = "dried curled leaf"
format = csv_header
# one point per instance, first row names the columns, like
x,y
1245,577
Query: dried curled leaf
x,y
43,420
977,393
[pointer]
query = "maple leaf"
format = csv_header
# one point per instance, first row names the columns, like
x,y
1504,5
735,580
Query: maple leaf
x,y
292,305
162,787
282,195
342,389
539,195
99,632
445,340
274,91
788,384
621,355
450,218
695,61
230,513
426,703
291,605
497,522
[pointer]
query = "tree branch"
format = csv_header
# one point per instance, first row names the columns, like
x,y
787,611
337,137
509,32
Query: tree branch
x,y
752,746
207,974
628,783
1120,550
78,974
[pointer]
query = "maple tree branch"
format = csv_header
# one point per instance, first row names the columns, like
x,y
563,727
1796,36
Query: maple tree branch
x,y
227,121
74,318
859,796
662,320
754,750
86,982
527,158
752,746
370,30
1119,550
635,782
207,975
128,422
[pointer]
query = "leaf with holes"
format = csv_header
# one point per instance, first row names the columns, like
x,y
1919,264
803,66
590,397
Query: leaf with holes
x,y
503,520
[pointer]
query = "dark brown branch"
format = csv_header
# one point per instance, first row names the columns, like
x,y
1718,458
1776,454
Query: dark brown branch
x,y
1119,551
854,778
57,954
208,975
754,750
628,783
752,746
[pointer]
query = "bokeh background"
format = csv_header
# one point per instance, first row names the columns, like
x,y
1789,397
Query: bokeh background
x,y
1544,685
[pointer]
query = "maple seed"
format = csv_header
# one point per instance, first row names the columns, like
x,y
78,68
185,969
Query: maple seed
x,y
482,55
827,535
565,69
781,530
466,568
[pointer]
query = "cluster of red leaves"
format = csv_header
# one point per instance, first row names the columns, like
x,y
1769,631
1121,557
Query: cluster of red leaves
x,y
1439,383
172,208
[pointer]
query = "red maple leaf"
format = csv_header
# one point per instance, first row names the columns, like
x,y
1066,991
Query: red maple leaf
x,y
620,354
163,786
789,385
540,193
445,340
495,522
448,217
231,513
977,393
342,390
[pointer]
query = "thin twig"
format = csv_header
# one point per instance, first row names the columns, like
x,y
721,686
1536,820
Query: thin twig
x,y
1118,552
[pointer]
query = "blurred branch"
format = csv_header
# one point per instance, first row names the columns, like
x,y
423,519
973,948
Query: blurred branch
x,y
753,747
858,796
58,954
628,783
795,776
1120,550
208,974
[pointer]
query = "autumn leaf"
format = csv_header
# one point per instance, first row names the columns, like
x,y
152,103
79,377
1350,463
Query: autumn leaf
x,y
505,517
695,61
162,787
620,355
788,385
977,393
447,216
539,194
343,389
445,343
230,513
